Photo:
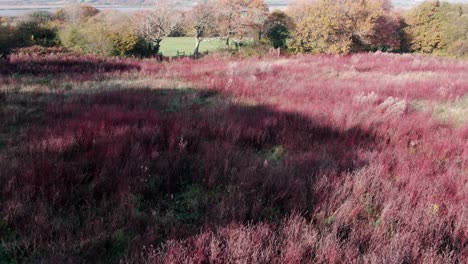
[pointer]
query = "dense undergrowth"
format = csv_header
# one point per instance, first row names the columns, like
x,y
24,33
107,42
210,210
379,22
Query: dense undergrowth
x,y
302,159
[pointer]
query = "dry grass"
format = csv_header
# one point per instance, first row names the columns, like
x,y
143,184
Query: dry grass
x,y
327,159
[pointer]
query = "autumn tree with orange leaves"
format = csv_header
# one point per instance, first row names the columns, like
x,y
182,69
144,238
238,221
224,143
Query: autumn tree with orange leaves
x,y
337,27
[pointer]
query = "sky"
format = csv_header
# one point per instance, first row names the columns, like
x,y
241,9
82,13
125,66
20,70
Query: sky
x,y
397,3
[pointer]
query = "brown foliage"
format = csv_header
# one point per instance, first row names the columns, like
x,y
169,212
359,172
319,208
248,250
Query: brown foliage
x,y
237,19
157,23
326,26
202,20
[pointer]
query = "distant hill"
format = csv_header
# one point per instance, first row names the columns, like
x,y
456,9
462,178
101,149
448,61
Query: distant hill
x,y
186,3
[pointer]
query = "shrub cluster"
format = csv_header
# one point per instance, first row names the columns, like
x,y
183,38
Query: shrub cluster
x,y
36,29
106,34
82,29
8,41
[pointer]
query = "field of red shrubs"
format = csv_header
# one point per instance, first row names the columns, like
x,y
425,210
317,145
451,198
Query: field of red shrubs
x,y
301,159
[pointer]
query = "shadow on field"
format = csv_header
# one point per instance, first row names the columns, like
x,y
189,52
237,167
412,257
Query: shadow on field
x,y
94,177
60,65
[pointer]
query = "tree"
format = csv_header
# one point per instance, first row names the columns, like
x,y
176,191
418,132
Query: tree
x,y
202,19
32,33
328,26
40,17
278,27
236,19
438,27
457,32
108,34
297,9
124,40
34,29
90,37
72,38
8,41
76,14
426,27
37,29
256,16
156,24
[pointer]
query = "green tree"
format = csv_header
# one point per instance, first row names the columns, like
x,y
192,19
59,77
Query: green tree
x,y
40,17
108,33
278,27
125,41
90,37
33,33
35,29
8,41
71,38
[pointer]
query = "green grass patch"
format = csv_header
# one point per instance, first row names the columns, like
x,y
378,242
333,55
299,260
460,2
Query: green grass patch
x,y
176,45
275,154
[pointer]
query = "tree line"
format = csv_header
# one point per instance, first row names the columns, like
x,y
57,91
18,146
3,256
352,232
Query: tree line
x,y
307,26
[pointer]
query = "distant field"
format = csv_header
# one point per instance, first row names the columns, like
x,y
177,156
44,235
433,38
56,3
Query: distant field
x,y
18,8
170,46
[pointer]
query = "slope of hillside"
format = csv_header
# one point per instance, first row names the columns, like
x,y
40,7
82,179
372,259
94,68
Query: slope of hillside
x,y
397,3
301,159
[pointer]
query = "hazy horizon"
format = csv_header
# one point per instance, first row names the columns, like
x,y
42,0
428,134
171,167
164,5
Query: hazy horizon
x,y
397,3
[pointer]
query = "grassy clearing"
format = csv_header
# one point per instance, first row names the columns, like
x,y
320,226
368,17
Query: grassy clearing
x,y
171,46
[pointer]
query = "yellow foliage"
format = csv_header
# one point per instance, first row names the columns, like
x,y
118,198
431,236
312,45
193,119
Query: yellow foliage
x,y
435,208
105,34
328,26
437,27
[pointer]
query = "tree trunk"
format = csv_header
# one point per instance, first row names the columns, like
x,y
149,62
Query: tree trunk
x,y
156,51
156,48
3,56
197,47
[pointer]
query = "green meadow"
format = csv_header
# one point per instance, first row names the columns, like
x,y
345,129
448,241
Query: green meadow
x,y
175,45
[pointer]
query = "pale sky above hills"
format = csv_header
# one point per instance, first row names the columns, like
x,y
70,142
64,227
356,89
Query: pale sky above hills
x,y
397,3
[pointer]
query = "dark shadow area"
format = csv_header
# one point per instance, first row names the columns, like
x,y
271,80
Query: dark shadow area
x,y
93,177
49,65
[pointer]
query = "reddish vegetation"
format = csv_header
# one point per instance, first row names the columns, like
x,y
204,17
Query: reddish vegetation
x,y
292,160
40,61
